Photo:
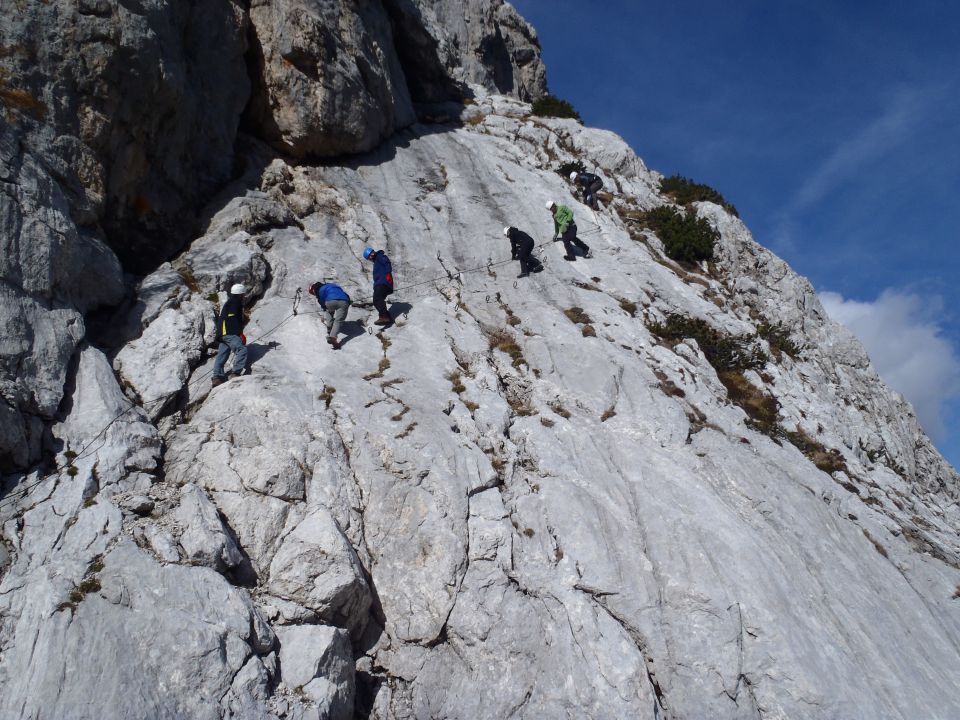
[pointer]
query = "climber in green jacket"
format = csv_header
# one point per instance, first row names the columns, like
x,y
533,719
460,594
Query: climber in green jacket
x,y
565,229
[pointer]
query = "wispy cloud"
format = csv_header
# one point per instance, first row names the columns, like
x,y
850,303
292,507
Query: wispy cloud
x,y
906,109
906,344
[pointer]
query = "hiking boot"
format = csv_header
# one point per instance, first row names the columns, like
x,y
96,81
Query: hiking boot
x,y
217,381
571,258
383,320
523,275
586,252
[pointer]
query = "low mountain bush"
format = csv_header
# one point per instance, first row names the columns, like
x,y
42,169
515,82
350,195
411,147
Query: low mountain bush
x,y
576,166
552,106
722,350
779,339
730,356
685,238
683,191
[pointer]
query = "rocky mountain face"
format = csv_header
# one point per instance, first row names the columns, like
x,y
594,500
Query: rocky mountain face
x,y
522,500
120,122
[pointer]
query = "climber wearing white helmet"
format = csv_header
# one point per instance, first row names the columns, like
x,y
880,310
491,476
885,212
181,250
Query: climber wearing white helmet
x,y
589,184
231,337
521,247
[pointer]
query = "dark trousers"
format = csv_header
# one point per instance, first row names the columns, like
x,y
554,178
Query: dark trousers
x,y
570,240
590,193
380,293
523,255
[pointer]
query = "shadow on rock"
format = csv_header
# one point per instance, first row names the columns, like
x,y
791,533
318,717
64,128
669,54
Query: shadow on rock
x,y
350,329
255,351
400,308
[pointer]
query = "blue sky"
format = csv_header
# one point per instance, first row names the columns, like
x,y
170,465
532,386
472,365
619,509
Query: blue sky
x,y
834,127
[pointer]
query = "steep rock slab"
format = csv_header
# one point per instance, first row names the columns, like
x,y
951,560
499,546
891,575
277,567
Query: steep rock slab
x,y
49,274
184,634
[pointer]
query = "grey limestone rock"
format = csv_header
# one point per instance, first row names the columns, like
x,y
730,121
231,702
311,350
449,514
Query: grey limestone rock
x,y
329,81
502,513
203,537
319,659
150,641
137,110
487,43
316,567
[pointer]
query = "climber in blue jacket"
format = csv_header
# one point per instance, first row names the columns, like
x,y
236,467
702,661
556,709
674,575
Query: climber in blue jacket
x,y
334,303
382,283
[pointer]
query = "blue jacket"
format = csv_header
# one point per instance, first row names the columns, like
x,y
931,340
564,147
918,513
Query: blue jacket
x,y
382,270
330,291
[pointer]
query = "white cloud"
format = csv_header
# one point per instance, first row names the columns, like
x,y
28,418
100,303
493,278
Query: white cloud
x,y
905,343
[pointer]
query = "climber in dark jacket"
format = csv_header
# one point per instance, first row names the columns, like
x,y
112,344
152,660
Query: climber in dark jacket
x,y
521,247
231,337
589,184
334,303
382,283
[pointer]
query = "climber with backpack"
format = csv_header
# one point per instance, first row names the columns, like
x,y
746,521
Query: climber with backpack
x,y
521,248
382,283
589,184
334,303
230,336
566,230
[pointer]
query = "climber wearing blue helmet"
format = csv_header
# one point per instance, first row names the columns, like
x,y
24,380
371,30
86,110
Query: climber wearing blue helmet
x,y
382,283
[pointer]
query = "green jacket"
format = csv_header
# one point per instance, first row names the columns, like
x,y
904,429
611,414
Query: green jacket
x,y
562,218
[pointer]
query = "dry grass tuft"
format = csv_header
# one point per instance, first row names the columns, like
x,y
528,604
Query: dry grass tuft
x,y
501,340
577,315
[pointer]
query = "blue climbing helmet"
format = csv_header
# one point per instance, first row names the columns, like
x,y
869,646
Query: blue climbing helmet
x,y
367,252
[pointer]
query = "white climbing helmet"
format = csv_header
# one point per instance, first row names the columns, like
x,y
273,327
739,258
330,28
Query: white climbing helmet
x,y
573,176
506,231
238,289
550,204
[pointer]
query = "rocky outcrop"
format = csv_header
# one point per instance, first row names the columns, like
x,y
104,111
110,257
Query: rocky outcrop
x,y
120,121
488,44
136,110
327,79
517,501
50,274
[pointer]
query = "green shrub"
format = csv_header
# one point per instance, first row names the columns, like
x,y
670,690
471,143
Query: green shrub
x,y
723,351
568,167
551,106
683,191
779,339
685,238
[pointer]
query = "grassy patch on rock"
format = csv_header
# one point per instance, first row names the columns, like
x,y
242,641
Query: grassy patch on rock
x,y
684,191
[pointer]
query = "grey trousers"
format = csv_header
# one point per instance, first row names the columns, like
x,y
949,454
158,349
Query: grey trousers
x,y
335,313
